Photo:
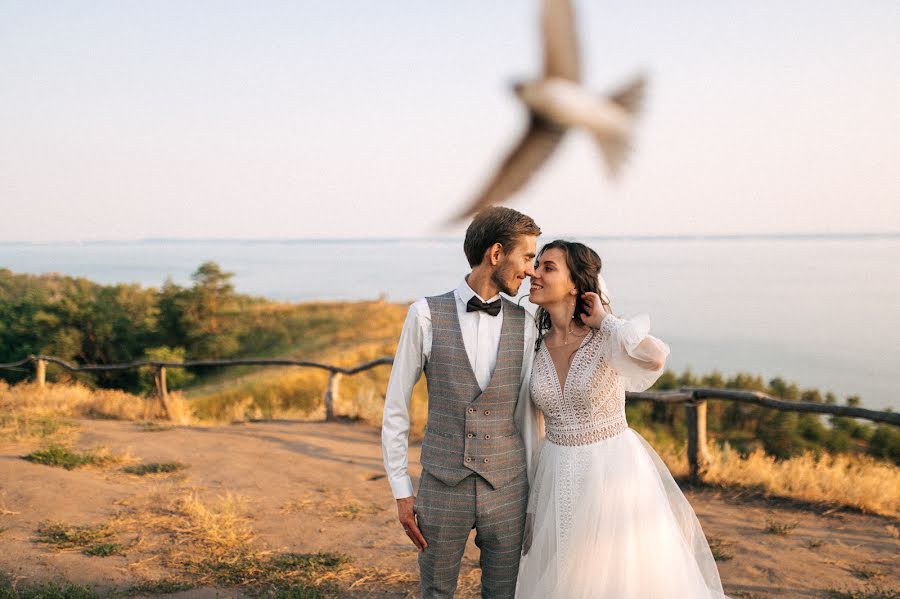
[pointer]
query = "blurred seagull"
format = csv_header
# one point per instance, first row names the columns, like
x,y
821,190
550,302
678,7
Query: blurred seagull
x,y
557,102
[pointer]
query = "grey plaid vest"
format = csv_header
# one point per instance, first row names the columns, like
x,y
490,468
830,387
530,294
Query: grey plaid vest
x,y
470,430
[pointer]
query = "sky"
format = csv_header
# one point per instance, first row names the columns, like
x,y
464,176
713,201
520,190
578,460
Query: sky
x,y
336,118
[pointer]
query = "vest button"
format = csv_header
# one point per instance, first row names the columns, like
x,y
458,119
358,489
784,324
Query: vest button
x,y
468,459
471,410
487,436
485,460
471,435
487,412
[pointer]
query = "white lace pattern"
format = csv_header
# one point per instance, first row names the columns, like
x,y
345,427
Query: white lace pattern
x,y
592,405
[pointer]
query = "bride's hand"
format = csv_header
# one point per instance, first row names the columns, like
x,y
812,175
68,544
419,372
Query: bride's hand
x,y
594,308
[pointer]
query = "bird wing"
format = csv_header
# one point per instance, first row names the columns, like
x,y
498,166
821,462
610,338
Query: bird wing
x,y
561,58
616,147
526,157
630,97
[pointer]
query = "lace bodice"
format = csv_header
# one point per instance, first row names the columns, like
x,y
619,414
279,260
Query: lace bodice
x,y
592,405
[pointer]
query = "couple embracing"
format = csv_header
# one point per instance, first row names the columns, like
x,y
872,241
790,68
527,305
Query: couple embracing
x,y
527,440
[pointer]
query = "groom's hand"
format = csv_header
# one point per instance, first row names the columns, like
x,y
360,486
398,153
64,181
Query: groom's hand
x,y
408,520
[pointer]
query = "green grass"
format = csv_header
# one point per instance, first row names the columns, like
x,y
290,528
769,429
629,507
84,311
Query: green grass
x,y
291,573
158,587
149,426
719,548
104,549
65,536
154,468
303,591
870,592
780,528
864,573
310,564
49,590
63,457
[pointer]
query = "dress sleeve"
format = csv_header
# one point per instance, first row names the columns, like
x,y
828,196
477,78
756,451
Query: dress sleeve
x,y
637,356
529,418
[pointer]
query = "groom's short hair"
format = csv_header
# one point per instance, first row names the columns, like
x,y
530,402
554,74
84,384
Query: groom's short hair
x,y
496,225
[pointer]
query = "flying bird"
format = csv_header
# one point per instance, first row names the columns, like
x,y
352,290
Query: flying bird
x,y
557,102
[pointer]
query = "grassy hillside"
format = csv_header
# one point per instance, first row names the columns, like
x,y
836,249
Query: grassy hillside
x,y
791,454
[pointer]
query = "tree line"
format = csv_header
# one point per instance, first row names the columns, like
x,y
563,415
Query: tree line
x,y
85,322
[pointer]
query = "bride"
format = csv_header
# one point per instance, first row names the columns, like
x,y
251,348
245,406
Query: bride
x,y
605,518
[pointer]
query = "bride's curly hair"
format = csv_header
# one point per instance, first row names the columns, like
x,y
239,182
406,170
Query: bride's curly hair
x,y
584,266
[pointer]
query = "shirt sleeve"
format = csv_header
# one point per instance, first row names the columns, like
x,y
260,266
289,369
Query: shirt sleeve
x,y
637,356
409,362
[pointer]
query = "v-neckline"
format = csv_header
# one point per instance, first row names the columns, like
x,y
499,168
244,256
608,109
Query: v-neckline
x,y
561,386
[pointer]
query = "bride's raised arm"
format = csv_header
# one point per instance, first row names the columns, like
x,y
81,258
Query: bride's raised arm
x,y
637,356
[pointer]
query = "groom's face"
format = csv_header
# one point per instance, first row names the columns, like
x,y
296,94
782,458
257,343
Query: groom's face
x,y
515,265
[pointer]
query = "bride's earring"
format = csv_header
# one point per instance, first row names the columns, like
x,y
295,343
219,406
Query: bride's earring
x,y
569,328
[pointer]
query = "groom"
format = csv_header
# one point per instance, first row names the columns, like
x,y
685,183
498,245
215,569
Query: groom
x,y
475,348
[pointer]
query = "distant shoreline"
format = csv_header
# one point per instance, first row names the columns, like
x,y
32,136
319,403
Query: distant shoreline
x,y
844,236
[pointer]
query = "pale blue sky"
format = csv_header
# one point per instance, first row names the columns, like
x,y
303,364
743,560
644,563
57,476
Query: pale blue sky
x,y
122,120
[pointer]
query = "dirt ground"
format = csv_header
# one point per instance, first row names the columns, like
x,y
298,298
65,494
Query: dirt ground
x,y
311,486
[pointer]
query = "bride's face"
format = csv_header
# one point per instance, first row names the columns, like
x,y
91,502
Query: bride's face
x,y
551,282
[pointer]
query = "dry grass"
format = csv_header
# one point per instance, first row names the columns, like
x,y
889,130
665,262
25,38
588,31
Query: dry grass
x,y
861,482
870,592
202,542
28,412
274,393
330,504
184,534
856,481
340,333
469,586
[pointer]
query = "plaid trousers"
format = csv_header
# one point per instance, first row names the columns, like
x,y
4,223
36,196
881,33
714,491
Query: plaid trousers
x,y
447,514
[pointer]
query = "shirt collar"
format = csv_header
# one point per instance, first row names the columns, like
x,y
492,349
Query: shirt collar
x,y
465,293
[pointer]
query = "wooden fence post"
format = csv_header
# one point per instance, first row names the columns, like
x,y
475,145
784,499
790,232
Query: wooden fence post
x,y
331,394
698,457
162,392
41,372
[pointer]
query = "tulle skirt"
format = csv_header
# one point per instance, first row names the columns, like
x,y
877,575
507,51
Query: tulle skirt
x,y
610,522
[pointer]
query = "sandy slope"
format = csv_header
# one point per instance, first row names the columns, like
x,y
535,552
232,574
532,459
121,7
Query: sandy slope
x,y
318,487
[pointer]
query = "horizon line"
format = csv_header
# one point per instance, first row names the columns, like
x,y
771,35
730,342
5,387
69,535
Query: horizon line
x,y
606,237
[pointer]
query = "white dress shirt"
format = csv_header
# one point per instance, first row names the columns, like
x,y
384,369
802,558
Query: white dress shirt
x,y
481,336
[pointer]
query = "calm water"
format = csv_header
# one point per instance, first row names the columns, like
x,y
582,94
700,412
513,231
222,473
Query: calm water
x,y
823,312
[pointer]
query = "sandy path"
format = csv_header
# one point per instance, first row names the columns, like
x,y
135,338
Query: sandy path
x,y
318,487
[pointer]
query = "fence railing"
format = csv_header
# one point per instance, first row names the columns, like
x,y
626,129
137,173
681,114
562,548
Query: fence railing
x,y
159,374
693,398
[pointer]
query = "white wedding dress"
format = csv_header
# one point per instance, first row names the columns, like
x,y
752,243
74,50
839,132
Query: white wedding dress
x,y
609,520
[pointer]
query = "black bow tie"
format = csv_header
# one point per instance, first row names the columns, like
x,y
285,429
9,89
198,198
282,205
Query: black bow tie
x,y
474,304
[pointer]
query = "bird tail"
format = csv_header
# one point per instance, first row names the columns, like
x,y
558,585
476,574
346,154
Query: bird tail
x,y
616,146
